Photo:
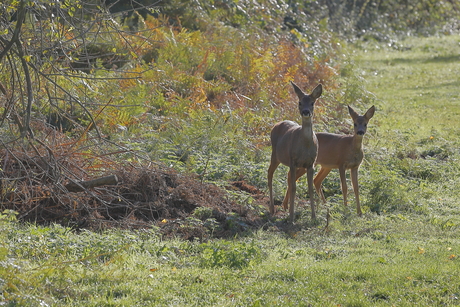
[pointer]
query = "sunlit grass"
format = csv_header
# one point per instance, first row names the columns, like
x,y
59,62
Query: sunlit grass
x,y
416,82
374,261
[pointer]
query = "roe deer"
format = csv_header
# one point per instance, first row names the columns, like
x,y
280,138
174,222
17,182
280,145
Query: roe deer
x,y
341,152
296,147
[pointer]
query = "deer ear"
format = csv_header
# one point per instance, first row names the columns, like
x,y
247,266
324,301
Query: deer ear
x,y
352,112
317,91
370,113
298,91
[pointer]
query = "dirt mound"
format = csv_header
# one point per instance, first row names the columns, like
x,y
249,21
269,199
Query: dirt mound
x,y
35,183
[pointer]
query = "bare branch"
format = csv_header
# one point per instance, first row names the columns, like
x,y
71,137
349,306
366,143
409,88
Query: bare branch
x,y
30,97
83,185
17,30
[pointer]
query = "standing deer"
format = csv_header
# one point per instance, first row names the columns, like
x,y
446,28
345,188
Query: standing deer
x,y
296,147
341,152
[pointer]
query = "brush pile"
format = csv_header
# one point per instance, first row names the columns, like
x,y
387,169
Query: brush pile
x,y
60,179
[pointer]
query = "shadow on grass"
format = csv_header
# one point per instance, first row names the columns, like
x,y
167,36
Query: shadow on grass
x,y
422,59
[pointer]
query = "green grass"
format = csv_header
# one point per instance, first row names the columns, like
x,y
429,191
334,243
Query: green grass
x,y
375,261
414,145
403,252
416,82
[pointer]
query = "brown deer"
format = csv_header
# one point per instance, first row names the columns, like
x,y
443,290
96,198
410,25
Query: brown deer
x,y
296,147
343,152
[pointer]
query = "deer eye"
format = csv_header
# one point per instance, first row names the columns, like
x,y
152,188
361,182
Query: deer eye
x,y
355,124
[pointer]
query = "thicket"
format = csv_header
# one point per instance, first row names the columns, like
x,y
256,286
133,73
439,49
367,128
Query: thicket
x,y
90,88
374,19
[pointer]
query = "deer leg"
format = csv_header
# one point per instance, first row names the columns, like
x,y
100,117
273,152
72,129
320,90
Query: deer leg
x,y
288,192
298,174
354,182
273,165
310,172
292,188
343,180
319,178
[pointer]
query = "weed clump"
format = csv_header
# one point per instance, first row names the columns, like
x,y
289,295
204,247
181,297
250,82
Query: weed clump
x,y
223,253
387,193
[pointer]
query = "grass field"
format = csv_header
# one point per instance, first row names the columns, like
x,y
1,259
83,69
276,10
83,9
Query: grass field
x,y
417,83
404,251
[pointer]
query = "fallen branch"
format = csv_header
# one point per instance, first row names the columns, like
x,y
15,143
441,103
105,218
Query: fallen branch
x,y
83,185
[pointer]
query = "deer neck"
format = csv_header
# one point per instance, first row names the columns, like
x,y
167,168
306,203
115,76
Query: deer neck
x,y
357,143
307,129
